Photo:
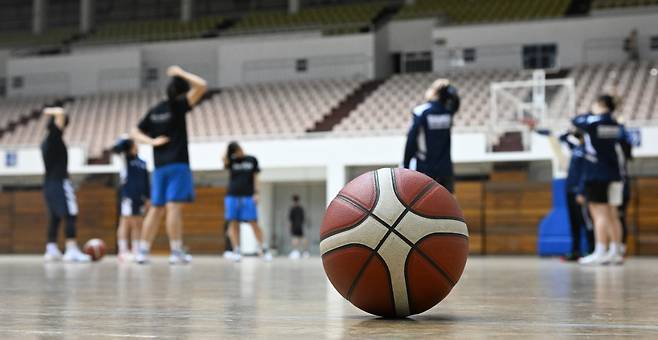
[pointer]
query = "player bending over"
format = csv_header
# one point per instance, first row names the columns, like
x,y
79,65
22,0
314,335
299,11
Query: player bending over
x,y
58,190
164,127
603,179
135,191
242,197
429,138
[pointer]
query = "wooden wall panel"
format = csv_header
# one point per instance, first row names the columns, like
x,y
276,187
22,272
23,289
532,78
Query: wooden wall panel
x,y
98,215
29,222
6,223
647,216
469,194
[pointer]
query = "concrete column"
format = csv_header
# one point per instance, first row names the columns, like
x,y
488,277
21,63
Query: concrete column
x,y
186,10
293,6
409,2
336,179
39,9
87,15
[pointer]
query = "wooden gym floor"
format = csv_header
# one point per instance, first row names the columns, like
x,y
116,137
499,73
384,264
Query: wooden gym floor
x,y
498,297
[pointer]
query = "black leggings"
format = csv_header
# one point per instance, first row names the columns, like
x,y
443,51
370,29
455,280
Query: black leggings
x,y
53,227
577,220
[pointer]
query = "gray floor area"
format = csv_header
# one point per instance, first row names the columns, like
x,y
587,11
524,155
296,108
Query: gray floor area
x,y
498,297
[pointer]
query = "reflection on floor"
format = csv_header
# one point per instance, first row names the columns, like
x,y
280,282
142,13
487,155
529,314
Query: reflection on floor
x,y
214,298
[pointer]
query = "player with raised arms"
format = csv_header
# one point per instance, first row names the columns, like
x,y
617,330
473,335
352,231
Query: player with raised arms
x,y
58,190
164,127
429,137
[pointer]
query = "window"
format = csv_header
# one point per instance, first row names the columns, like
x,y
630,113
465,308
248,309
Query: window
x,y
17,82
417,62
539,56
152,74
3,86
469,55
654,43
301,65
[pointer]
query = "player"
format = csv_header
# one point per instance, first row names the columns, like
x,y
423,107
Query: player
x,y
135,190
575,196
429,138
164,128
242,197
58,190
603,179
297,218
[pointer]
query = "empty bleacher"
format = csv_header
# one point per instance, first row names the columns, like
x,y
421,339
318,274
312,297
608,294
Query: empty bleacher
x,y
331,19
457,12
614,4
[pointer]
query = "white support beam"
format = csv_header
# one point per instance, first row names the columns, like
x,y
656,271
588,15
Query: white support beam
x,y
87,15
186,10
39,9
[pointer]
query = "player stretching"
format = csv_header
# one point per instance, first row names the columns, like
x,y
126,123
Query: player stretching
x,y
603,179
58,191
164,128
135,190
429,139
240,202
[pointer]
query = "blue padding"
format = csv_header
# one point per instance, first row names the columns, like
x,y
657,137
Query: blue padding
x,y
554,230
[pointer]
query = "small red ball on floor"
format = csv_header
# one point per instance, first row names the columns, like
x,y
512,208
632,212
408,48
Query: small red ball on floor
x,y
95,248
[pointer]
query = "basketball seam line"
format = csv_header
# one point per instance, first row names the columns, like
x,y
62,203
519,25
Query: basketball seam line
x,y
388,232
431,184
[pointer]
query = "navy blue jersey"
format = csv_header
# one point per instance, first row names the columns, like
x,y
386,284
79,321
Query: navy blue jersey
x,y
576,174
428,141
135,182
604,158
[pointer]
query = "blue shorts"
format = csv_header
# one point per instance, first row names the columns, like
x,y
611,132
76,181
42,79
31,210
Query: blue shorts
x,y
172,183
240,208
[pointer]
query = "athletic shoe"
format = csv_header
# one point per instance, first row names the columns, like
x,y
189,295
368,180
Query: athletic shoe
x,y
294,255
236,257
228,254
52,255
179,257
306,255
614,259
75,255
125,257
267,256
142,257
594,259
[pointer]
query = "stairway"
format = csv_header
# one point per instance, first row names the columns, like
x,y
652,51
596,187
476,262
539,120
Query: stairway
x,y
346,106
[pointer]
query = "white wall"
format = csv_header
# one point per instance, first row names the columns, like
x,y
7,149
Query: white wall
x,y
76,74
252,60
579,40
410,35
29,161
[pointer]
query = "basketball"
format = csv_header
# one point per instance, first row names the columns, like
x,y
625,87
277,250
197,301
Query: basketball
x,y
394,242
95,248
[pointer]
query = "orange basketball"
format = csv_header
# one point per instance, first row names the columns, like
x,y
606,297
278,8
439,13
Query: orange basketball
x,y
394,242
95,248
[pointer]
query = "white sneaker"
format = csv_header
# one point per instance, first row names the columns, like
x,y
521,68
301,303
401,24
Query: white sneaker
x,y
615,259
52,255
594,259
267,256
125,257
75,255
306,255
294,255
179,257
236,257
228,254
142,257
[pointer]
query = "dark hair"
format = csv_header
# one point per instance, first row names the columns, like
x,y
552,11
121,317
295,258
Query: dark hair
x,y
232,148
177,86
608,101
123,146
295,198
449,98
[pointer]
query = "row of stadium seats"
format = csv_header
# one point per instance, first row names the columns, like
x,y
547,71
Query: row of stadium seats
x,y
607,4
291,108
476,11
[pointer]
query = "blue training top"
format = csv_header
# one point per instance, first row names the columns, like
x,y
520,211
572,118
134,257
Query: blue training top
x,y
603,155
135,182
575,175
429,139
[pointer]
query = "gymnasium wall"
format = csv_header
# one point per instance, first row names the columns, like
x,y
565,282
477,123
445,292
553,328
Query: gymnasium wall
x,y
77,74
579,40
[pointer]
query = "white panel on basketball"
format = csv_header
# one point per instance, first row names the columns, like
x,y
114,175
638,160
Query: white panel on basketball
x,y
415,227
388,206
394,251
368,233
